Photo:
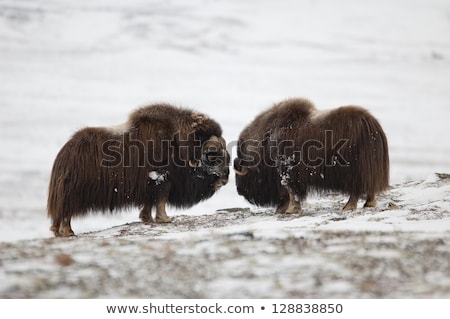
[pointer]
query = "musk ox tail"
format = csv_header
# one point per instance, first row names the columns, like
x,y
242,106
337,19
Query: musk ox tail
x,y
55,192
56,209
364,168
375,160
78,182
366,155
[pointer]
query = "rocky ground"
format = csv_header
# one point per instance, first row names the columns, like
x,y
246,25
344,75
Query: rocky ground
x,y
401,249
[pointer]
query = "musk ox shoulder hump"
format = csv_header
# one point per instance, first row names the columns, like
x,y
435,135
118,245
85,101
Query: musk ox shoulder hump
x,y
292,110
184,120
153,112
296,104
278,116
290,107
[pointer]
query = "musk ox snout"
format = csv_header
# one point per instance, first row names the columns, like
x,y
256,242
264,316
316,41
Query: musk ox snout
x,y
214,158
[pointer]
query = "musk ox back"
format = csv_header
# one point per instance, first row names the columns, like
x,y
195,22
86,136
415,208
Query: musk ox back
x,y
161,155
293,148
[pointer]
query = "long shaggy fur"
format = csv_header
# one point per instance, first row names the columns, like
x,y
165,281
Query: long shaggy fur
x,y
343,149
154,149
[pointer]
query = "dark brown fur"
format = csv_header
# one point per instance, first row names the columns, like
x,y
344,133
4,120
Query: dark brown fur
x,y
343,149
166,155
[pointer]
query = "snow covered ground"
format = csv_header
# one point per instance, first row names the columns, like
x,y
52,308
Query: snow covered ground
x,y
398,250
69,64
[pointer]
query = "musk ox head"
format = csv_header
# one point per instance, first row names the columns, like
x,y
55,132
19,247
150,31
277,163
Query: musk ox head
x,y
216,160
257,178
212,162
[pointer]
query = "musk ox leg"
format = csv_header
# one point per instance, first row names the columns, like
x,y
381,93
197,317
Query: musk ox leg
x,y
294,204
283,207
291,206
62,228
371,201
352,203
146,214
161,216
55,228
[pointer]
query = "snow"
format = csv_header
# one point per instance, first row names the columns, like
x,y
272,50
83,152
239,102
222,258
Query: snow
x,y
397,250
65,65
157,177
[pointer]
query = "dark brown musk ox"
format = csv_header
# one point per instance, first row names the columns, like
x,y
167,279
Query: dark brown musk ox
x,y
293,148
161,155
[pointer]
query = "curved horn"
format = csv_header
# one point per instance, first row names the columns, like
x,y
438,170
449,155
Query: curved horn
x,y
241,173
194,164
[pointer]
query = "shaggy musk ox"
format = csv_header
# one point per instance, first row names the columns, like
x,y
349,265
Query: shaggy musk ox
x,y
293,148
162,155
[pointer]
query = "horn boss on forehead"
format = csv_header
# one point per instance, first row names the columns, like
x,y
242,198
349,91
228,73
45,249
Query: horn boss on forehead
x,y
154,159
293,148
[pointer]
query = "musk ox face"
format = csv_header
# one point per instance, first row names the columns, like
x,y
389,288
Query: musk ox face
x,y
213,162
292,148
257,178
163,155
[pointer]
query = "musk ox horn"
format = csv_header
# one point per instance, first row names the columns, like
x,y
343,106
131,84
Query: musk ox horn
x,y
194,164
241,173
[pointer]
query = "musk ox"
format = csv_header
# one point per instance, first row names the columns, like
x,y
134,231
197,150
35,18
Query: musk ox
x,y
161,155
293,148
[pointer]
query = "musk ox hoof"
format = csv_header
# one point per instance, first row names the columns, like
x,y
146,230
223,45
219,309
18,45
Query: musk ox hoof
x,y
371,203
348,208
146,217
293,210
163,220
351,204
289,209
281,209
62,231
291,206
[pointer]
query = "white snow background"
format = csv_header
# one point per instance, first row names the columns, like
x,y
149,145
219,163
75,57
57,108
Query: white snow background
x,y
67,64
